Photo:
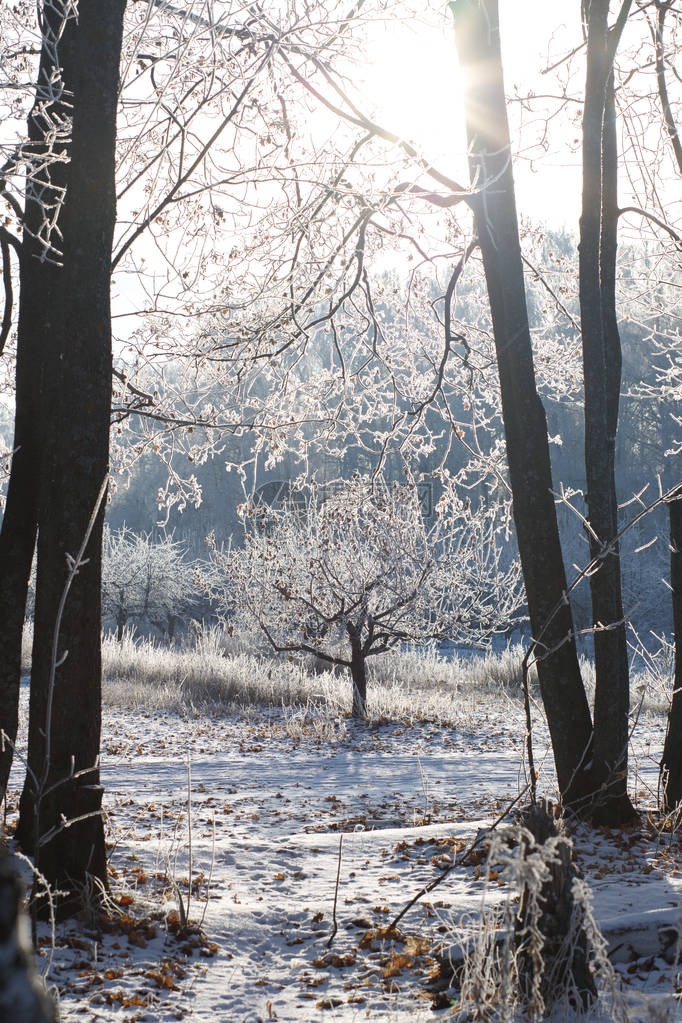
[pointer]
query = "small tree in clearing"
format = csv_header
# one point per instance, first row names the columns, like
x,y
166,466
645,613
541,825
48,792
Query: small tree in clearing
x,y
361,572
144,581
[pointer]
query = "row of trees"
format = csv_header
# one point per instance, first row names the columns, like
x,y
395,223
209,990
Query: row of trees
x,y
268,232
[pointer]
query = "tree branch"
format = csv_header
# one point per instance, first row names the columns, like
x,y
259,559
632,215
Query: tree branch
x,y
5,240
670,124
655,220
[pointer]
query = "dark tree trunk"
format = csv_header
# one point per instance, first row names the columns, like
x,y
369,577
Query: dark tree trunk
x,y
671,763
17,542
358,670
525,425
121,620
668,117
602,376
38,284
63,777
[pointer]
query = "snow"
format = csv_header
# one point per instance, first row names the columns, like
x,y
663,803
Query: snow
x,y
271,795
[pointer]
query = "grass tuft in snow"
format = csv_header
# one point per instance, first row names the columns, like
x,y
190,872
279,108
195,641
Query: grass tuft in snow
x,y
498,957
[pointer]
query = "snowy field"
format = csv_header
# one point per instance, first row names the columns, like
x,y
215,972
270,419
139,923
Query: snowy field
x,y
261,806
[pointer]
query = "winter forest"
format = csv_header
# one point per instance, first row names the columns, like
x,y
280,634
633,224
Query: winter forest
x,y
340,510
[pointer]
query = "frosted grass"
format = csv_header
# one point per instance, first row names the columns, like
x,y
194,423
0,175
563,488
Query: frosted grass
x,y
214,671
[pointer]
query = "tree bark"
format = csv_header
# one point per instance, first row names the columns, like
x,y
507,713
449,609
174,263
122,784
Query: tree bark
x,y
17,542
671,762
525,425
668,117
602,377
358,670
63,776
121,620
38,285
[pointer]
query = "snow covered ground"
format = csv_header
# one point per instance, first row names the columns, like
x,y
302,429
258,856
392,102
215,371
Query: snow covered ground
x,y
273,803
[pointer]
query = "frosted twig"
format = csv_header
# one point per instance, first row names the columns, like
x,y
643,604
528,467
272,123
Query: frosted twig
x,y
336,894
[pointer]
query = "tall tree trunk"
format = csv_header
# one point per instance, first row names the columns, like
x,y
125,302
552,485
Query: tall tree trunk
x,y
525,425
38,285
63,771
671,763
602,377
17,542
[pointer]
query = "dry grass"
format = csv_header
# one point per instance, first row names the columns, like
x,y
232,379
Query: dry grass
x,y
217,672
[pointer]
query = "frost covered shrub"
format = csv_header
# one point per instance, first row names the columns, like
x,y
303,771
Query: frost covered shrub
x,y
509,967
529,955
417,668
500,670
145,674
410,685
145,581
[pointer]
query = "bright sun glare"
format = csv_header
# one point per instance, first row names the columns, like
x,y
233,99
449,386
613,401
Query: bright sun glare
x,y
413,86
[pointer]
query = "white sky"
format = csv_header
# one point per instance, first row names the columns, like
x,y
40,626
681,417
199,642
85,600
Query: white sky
x,y
415,85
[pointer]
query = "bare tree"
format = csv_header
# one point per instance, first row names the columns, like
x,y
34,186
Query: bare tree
x,y
568,715
602,375
671,761
671,380
263,366
262,316
197,82
361,572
